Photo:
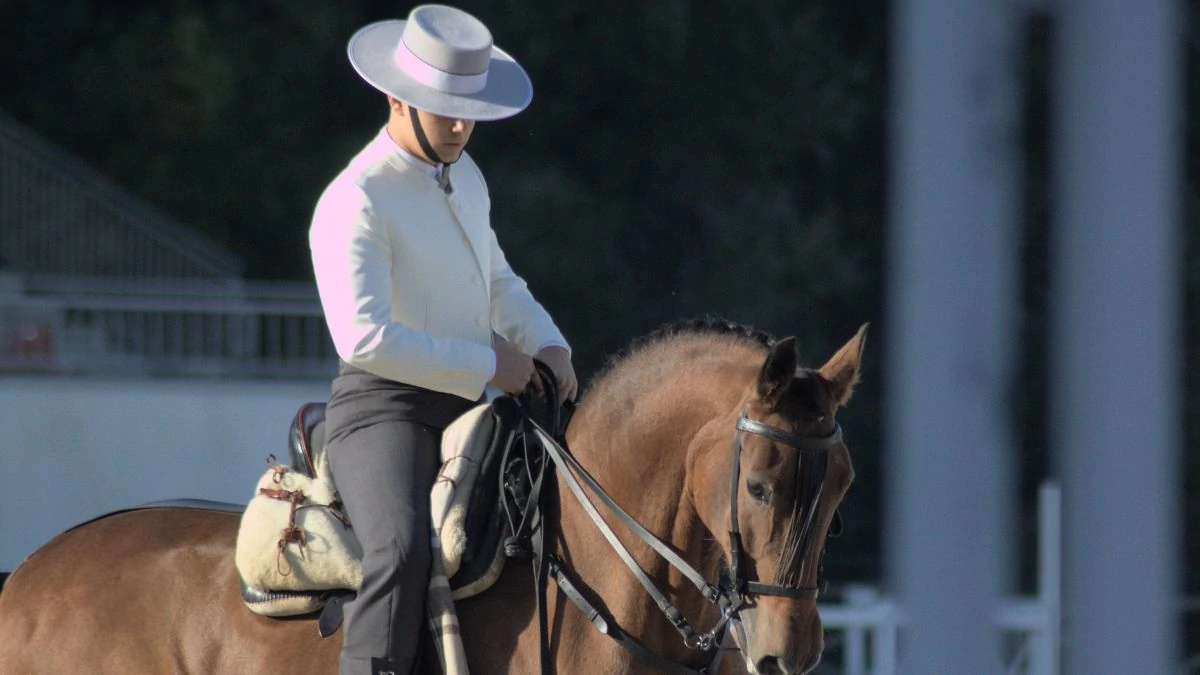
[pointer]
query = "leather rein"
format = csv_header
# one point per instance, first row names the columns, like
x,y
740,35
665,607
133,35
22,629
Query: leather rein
x,y
729,597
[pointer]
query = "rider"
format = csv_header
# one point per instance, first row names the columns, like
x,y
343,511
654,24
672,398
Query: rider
x,y
422,305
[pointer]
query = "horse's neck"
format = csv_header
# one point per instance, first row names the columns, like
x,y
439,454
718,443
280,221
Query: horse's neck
x,y
596,566
644,471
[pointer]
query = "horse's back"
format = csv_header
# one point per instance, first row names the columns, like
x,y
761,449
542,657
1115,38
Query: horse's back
x,y
155,590
145,591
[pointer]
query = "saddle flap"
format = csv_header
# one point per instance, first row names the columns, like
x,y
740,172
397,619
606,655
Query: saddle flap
x,y
465,444
468,510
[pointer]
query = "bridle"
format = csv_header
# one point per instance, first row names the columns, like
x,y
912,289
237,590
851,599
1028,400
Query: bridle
x,y
729,597
806,446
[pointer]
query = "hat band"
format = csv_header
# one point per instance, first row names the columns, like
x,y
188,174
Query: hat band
x,y
429,76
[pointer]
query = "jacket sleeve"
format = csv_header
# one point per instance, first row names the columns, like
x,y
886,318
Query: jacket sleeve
x,y
352,263
516,315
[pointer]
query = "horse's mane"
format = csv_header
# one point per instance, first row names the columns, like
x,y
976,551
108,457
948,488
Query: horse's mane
x,y
688,328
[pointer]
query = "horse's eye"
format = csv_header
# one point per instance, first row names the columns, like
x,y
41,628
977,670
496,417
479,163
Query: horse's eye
x,y
758,491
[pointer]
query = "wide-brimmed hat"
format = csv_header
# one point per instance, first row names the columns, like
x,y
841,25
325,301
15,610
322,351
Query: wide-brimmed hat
x,y
441,60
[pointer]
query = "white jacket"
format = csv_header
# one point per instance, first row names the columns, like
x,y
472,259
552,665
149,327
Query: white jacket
x,y
412,281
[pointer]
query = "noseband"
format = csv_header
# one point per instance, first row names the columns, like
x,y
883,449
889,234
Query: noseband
x,y
729,597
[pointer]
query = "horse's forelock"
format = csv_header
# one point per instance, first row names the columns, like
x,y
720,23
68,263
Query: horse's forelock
x,y
804,399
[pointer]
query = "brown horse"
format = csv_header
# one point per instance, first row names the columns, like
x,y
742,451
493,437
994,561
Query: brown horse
x,y
666,429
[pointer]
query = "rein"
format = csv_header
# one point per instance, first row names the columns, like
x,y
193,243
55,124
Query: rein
x,y
729,598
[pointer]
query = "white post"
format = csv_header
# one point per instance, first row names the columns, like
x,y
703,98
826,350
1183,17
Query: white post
x,y
1049,654
1116,359
855,651
884,643
861,598
952,259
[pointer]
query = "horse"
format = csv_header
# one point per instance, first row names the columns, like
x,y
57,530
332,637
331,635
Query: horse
x,y
723,453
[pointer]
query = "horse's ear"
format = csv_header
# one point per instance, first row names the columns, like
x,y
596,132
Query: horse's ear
x,y
843,368
777,371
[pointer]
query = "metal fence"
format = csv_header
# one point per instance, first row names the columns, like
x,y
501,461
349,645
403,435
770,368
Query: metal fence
x,y
866,629
73,325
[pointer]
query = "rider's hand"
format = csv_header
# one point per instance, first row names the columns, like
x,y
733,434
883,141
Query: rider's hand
x,y
513,367
559,360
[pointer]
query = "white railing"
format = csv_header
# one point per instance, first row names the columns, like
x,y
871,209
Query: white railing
x,y
73,325
870,624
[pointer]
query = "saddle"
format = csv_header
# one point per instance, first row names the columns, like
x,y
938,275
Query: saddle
x,y
296,550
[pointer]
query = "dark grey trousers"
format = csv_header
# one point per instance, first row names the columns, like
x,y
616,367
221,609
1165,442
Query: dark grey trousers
x,y
383,450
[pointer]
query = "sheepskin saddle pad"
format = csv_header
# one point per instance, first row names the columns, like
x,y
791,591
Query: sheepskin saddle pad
x,y
296,546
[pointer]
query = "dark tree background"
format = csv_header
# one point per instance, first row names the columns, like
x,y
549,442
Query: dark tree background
x,y
680,158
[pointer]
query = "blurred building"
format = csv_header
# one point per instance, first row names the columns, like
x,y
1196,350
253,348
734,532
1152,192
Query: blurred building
x,y
94,280
136,361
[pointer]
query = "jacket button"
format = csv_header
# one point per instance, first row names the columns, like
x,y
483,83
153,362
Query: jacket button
x,y
482,321
476,280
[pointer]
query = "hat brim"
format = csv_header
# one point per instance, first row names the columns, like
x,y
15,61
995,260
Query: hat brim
x,y
372,53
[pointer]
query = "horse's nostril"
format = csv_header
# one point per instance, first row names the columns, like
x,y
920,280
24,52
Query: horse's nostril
x,y
773,665
768,665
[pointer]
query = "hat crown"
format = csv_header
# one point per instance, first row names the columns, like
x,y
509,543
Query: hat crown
x,y
448,39
441,60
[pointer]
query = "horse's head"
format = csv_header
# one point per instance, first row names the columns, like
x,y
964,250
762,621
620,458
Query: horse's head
x,y
790,470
